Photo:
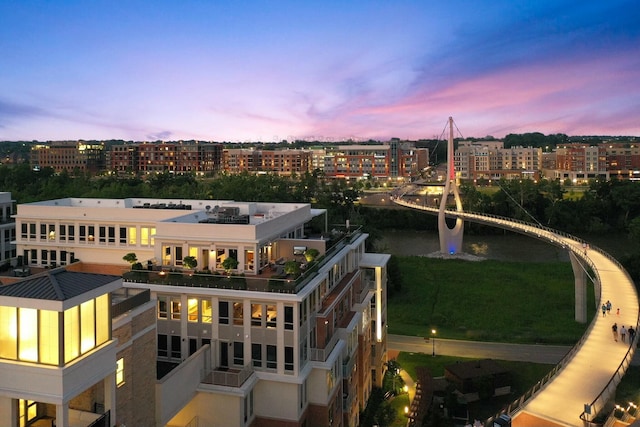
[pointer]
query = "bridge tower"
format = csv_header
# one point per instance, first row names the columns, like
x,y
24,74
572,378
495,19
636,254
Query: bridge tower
x,y
450,238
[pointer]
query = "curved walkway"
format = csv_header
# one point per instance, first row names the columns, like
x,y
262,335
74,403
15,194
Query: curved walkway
x,y
591,371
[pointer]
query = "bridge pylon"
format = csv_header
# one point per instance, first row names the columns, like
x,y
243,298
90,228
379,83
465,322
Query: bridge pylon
x,y
450,238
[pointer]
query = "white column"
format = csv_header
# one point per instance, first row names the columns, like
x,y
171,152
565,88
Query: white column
x,y
580,288
110,395
9,411
62,415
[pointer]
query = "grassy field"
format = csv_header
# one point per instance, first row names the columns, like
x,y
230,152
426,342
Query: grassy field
x,y
487,301
491,301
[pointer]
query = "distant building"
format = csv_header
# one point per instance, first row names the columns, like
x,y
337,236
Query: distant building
x,y
395,159
70,156
580,163
280,162
7,228
489,160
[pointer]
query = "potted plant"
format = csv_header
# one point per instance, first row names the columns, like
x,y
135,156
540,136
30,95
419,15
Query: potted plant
x,y
292,268
190,262
229,264
311,254
131,258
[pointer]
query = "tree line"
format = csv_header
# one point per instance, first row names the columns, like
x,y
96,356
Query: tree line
x,y
604,207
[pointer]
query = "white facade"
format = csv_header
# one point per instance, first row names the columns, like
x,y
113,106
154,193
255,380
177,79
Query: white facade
x,y
257,344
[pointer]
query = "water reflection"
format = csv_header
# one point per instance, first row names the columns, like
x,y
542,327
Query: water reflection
x,y
504,247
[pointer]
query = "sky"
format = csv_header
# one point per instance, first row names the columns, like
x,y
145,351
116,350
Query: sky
x,y
248,71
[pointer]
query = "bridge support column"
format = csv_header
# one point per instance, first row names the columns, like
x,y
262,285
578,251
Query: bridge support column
x,y
450,238
580,284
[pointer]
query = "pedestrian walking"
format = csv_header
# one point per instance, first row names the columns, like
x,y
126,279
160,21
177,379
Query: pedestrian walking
x,y
618,312
614,329
608,306
604,310
623,333
632,334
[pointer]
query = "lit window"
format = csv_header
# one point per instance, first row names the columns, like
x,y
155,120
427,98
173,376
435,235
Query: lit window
x,y
120,372
192,309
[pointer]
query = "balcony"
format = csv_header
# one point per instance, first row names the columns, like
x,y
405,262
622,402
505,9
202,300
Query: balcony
x,y
229,377
269,281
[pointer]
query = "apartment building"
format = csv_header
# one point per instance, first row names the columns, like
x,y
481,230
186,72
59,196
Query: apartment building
x,y
291,333
489,160
393,160
75,349
7,229
581,162
69,155
280,162
175,157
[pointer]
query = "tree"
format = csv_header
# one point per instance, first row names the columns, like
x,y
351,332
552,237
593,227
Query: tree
x,y
229,264
131,258
292,268
311,254
190,262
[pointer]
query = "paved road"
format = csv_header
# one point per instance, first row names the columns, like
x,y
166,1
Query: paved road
x,y
550,354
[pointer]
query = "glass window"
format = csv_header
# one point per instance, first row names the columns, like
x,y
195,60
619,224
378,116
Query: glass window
x,y
162,307
144,236
175,308
272,356
72,232
48,345
8,333
256,354
223,312
256,314
87,326
133,236
71,334
288,358
206,310
192,309
288,317
28,334
238,353
120,372
237,313
103,320
162,345
176,351
123,235
272,314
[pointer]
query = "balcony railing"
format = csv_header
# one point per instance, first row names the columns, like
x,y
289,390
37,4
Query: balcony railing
x,y
229,377
321,354
261,283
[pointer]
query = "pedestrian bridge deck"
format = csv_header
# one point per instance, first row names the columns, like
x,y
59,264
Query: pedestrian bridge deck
x,y
597,364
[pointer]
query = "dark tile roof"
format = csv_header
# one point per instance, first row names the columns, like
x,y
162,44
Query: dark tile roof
x,y
56,285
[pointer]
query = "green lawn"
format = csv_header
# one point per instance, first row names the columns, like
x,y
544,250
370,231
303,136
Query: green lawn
x,y
487,301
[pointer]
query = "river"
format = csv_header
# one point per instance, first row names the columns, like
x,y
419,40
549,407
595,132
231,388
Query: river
x,y
505,246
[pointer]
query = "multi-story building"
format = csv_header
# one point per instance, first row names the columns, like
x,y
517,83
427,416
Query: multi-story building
x,y
393,160
623,160
488,160
70,156
280,162
581,162
274,338
7,229
75,350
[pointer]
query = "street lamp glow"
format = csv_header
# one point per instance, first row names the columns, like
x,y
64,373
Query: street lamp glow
x,y
433,342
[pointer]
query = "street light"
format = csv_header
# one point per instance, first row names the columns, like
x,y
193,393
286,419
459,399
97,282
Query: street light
x,y
433,332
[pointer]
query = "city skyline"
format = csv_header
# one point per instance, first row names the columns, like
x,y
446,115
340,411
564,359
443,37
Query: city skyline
x,y
261,71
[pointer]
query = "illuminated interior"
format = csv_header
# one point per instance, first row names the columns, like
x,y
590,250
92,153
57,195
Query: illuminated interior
x,y
32,335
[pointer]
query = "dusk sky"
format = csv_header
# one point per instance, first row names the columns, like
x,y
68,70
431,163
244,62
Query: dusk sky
x,y
327,70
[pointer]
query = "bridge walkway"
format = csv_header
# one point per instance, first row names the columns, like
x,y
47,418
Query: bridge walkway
x,y
591,371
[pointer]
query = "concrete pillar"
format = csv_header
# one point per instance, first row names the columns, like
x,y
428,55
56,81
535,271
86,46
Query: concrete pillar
x,y
62,415
580,288
9,411
110,395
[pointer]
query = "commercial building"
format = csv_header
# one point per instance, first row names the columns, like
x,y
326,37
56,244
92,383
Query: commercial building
x,y
489,160
7,229
69,156
264,315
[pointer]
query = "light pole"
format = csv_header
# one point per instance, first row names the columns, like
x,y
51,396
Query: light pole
x,y
433,342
